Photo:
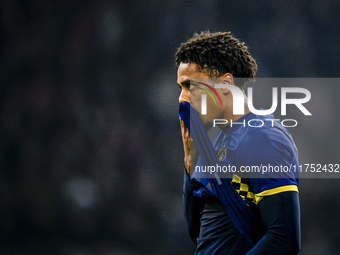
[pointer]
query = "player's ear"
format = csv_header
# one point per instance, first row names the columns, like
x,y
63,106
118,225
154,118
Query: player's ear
x,y
227,78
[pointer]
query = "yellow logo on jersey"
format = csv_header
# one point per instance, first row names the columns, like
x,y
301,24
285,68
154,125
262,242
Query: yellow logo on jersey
x,y
222,153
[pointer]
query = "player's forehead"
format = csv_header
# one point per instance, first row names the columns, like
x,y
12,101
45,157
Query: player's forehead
x,y
187,72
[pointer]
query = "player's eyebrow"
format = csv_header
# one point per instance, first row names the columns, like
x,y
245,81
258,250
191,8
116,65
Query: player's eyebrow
x,y
184,83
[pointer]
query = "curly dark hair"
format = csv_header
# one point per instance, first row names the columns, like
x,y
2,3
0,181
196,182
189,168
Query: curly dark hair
x,y
218,53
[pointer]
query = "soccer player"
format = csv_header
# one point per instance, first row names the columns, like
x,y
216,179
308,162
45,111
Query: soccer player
x,y
242,214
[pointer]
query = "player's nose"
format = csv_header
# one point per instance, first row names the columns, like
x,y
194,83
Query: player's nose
x,y
184,96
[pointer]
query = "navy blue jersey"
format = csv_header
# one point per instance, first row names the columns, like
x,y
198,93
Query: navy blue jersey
x,y
263,158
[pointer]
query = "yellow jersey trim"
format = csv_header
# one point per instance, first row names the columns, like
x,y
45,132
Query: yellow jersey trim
x,y
274,191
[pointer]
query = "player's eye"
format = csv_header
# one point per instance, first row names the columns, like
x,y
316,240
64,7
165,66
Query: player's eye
x,y
186,86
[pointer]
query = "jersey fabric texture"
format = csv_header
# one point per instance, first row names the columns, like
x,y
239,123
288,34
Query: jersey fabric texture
x,y
254,143
268,145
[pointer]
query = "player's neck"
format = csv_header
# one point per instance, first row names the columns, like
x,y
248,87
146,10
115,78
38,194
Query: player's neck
x,y
233,118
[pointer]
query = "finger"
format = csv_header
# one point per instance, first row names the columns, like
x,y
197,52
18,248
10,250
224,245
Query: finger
x,y
184,130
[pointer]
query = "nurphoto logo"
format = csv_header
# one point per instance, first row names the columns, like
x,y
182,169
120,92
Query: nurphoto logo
x,y
239,99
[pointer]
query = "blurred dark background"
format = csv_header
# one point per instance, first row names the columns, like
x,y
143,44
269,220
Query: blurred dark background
x,y
90,147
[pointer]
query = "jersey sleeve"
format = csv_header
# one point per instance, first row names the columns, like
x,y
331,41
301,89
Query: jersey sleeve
x,y
270,157
280,214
